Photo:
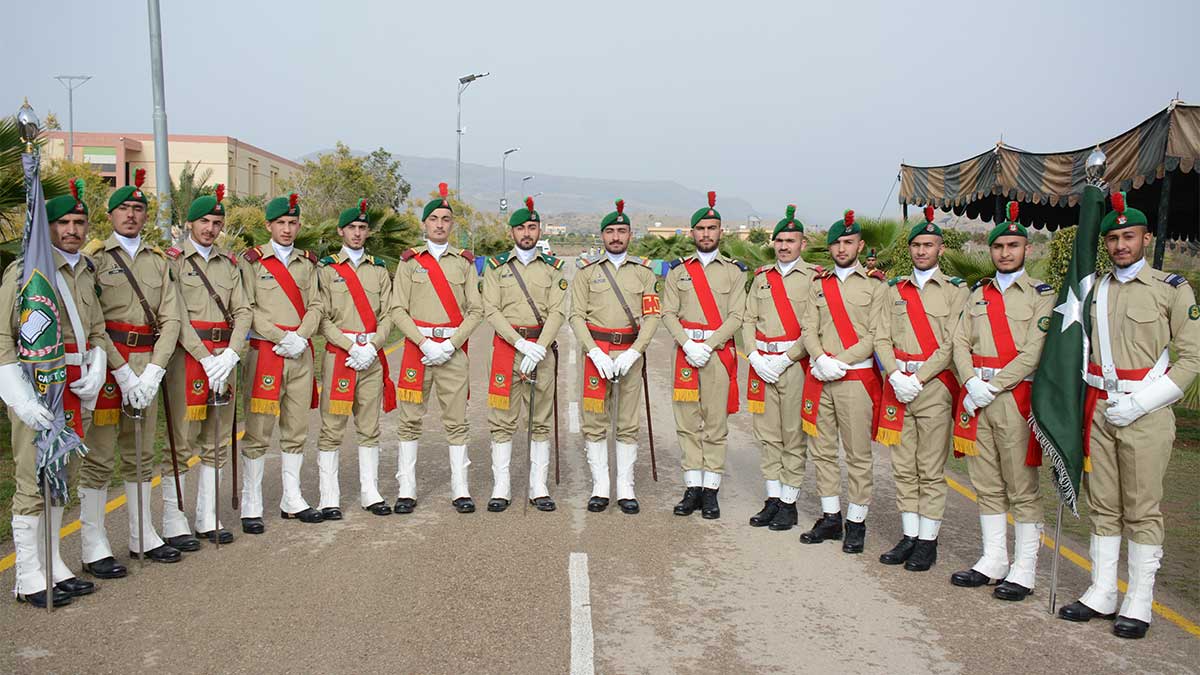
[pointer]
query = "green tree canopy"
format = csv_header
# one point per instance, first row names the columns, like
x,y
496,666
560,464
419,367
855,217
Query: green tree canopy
x,y
337,180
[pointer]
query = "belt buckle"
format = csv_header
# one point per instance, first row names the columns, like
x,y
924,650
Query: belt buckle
x,y
131,339
1110,384
216,335
772,346
617,338
523,331
911,367
987,374
437,332
696,333
360,339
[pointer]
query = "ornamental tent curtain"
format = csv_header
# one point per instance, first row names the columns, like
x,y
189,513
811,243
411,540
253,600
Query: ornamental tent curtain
x,y
1162,154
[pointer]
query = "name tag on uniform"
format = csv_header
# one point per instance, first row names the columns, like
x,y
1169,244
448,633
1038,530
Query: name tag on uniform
x,y
266,276
599,280
115,270
685,278
339,280
982,302
506,275
901,302
420,270
190,273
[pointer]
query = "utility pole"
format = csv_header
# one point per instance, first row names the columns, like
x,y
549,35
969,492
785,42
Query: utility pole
x,y
69,81
162,167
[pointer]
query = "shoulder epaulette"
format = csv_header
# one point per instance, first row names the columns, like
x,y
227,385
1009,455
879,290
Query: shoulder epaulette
x,y
253,254
675,263
310,256
877,274
1044,289
981,282
174,252
327,260
551,260
763,269
818,270
895,280
91,264
825,274
1175,280
958,281
158,251
408,254
468,255
741,265
494,261
232,257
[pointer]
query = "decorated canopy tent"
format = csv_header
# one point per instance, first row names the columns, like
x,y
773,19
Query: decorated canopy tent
x,y
1157,163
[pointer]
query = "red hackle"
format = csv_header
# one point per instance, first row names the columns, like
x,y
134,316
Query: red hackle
x,y
1118,202
139,177
443,190
529,203
292,200
712,199
220,192
848,218
929,214
1014,210
620,206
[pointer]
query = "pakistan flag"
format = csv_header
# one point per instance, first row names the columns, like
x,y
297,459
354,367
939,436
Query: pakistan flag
x,y
1058,386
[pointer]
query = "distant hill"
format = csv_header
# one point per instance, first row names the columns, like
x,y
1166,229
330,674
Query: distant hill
x,y
567,197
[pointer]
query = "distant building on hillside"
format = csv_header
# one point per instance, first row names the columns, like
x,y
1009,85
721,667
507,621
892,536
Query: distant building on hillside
x,y
243,168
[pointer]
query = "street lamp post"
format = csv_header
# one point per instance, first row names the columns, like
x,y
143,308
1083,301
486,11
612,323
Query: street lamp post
x,y
69,81
526,178
504,179
463,82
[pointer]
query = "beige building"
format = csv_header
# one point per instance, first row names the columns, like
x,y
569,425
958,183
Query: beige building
x,y
243,168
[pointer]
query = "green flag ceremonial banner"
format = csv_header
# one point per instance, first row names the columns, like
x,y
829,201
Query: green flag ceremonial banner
x,y
40,341
1058,386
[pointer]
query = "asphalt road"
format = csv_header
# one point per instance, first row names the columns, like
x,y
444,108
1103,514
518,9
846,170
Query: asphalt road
x,y
439,592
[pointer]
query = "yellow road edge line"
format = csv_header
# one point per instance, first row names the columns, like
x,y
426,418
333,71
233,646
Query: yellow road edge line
x,y
117,502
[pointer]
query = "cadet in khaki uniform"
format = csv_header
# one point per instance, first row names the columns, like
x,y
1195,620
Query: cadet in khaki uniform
x,y
68,218
914,340
1137,312
842,389
138,353
279,367
702,307
435,303
519,352
355,291
204,360
997,345
603,326
774,388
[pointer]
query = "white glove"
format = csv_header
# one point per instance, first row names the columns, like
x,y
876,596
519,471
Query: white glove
x,y
17,393
969,405
436,353
625,361
907,387
528,365
697,353
983,393
529,348
290,345
762,366
211,367
430,349
361,356
226,362
147,388
828,369
603,363
127,382
87,387
778,363
1158,394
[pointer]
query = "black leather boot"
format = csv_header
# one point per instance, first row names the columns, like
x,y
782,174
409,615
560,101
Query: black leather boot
x,y
828,526
764,517
971,578
900,553
690,501
856,537
924,555
1077,611
785,518
710,508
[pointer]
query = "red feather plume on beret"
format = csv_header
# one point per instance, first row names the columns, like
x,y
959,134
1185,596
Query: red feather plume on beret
x,y
1118,202
929,214
75,189
443,190
712,199
292,200
362,206
1014,209
529,203
848,217
620,206
139,177
220,192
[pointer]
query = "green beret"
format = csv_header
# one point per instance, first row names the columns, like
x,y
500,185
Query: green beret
x,y
843,227
129,193
1009,226
707,212
354,214
283,206
64,204
207,205
525,215
442,202
926,227
617,217
788,224
1121,216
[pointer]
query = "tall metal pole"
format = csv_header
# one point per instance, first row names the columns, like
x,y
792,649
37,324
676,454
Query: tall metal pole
x,y
69,81
458,130
162,167
504,178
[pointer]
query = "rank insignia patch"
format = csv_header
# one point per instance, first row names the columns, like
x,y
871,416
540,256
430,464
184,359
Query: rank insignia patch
x,y
1194,312
1044,324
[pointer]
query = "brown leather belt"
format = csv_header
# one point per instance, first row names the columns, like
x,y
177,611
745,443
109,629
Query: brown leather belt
x,y
131,339
529,332
214,334
613,338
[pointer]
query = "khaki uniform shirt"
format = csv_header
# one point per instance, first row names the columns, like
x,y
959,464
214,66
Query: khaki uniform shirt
x,y
413,295
943,298
81,282
152,270
862,294
1146,314
221,270
341,314
761,315
680,301
593,301
505,304
270,305
1027,305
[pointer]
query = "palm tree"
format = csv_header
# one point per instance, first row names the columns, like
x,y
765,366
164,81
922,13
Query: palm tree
x,y
192,184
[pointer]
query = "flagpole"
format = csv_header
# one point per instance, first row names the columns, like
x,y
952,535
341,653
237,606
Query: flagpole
x,y
48,559
1054,563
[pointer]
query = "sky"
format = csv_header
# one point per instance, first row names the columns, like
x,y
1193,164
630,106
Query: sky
x,y
776,102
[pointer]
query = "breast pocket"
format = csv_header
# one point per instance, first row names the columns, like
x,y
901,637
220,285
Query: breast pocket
x,y
115,293
1144,323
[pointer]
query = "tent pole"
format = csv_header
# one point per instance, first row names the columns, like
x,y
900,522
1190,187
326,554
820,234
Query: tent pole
x,y
1164,208
904,211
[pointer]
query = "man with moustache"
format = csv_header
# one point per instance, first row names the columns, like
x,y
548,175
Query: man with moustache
x,y
281,286
84,339
702,305
914,343
142,316
1137,314
436,305
218,316
615,309
842,390
777,299
355,291
523,297
997,345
